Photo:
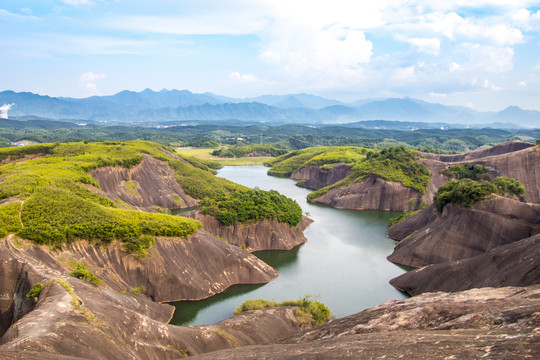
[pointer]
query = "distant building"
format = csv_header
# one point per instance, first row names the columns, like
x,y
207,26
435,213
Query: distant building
x,y
4,110
23,143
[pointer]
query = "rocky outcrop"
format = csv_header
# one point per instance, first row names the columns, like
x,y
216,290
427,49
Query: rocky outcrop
x,y
316,177
262,235
460,233
371,193
76,319
480,323
176,269
515,264
515,159
149,184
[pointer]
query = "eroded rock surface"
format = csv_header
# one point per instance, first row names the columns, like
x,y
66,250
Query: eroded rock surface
x,y
460,233
515,264
315,177
372,193
149,184
262,235
480,323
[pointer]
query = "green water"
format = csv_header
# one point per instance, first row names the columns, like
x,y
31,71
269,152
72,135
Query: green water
x,y
343,262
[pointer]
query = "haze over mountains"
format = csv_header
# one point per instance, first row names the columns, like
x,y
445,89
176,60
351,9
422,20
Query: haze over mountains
x,y
182,105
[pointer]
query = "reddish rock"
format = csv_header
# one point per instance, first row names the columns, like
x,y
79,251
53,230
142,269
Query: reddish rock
x,y
262,235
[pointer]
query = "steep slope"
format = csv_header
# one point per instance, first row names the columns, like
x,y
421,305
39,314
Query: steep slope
x,y
515,264
459,233
151,183
480,323
262,235
317,177
74,318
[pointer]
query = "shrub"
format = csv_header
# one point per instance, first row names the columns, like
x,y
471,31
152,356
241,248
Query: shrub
x,y
35,292
139,245
83,273
307,311
252,205
509,186
467,171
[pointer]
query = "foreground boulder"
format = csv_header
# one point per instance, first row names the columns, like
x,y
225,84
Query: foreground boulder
x,y
480,323
262,235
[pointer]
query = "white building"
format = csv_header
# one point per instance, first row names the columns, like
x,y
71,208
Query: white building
x,y
4,110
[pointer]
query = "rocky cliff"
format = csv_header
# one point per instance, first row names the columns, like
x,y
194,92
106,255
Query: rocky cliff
x,y
372,193
515,264
459,233
480,323
149,184
316,177
505,148
262,235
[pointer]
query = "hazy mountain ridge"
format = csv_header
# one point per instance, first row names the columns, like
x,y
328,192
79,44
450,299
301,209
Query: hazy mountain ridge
x,y
181,105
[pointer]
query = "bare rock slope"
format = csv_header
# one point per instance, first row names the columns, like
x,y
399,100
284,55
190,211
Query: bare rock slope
x,y
151,183
73,318
481,323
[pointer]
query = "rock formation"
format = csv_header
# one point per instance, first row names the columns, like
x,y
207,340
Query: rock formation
x,y
149,184
515,264
459,233
514,159
372,193
262,235
73,318
480,323
316,177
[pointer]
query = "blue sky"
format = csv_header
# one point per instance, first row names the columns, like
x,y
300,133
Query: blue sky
x,y
483,54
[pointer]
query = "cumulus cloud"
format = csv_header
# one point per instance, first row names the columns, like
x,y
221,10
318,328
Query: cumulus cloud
x,y
89,81
77,2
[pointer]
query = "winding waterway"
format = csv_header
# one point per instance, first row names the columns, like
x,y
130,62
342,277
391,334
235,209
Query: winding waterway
x,y
343,262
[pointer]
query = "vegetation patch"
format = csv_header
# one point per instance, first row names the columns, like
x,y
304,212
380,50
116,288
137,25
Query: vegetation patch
x,y
9,218
246,206
35,292
307,310
467,192
138,290
263,149
83,273
406,214
468,171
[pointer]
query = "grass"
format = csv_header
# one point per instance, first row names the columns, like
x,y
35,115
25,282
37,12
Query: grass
x,y
206,154
308,312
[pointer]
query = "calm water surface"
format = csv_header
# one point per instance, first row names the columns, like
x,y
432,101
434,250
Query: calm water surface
x,y
343,262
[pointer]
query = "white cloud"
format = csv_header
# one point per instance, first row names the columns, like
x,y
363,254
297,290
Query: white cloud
x,y
89,82
523,83
90,76
246,78
431,46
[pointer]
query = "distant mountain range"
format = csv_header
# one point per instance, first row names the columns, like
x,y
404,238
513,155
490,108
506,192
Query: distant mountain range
x,y
149,107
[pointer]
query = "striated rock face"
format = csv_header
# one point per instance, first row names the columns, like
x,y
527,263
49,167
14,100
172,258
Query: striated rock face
x,y
479,323
371,193
151,183
98,323
263,235
515,264
460,233
176,269
315,177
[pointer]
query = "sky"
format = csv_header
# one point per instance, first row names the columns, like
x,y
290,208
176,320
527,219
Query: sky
x,y
482,54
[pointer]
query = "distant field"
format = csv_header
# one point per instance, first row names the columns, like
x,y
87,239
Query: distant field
x,y
204,153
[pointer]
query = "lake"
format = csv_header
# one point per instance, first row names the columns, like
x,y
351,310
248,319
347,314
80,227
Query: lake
x,y
343,263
